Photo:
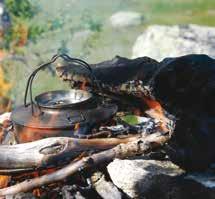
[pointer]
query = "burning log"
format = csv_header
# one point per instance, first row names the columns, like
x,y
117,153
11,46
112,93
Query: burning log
x,y
135,147
6,139
51,152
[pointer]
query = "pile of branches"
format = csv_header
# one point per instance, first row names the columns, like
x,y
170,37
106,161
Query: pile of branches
x,y
66,157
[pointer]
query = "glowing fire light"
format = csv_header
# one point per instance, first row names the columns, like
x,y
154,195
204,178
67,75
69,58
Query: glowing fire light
x,y
4,180
76,128
156,111
153,104
28,136
83,85
36,192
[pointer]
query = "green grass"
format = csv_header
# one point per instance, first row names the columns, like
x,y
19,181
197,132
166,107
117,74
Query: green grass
x,y
180,11
109,41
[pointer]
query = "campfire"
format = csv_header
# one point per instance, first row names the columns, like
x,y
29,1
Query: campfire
x,y
61,141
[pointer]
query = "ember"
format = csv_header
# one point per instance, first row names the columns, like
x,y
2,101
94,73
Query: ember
x,y
76,128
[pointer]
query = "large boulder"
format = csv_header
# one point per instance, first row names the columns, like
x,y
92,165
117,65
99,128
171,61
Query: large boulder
x,y
152,179
135,177
159,42
126,19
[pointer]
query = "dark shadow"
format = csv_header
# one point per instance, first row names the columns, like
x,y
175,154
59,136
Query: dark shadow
x,y
164,186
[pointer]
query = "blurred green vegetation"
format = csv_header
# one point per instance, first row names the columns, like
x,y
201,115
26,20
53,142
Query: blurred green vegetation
x,y
90,22
82,29
22,28
171,12
21,12
21,9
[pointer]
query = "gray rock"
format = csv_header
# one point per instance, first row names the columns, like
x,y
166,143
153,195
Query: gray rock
x,y
126,19
151,179
105,188
21,196
159,42
135,177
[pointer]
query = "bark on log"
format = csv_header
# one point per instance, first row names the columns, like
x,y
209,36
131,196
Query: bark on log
x,y
50,152
140,146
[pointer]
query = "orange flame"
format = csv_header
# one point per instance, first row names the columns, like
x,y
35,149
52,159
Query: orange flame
x,y
4,180
153,104
76,128
156,111
36,191
83,85
28,175
27,135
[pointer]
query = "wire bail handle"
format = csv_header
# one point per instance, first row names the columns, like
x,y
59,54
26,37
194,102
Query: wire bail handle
x,y
42,66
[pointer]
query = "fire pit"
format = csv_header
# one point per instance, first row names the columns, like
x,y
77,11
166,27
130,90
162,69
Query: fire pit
x,y
66,118
72,113
60,113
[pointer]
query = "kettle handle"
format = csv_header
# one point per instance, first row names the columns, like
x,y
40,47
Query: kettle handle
x,y
42,66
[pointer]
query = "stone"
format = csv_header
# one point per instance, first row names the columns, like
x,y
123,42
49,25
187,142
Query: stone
x,y
126,19
135,177
153,179
159,41
21,196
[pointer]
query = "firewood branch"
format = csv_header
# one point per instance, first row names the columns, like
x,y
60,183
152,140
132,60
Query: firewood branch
x,y
139,146
50,152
